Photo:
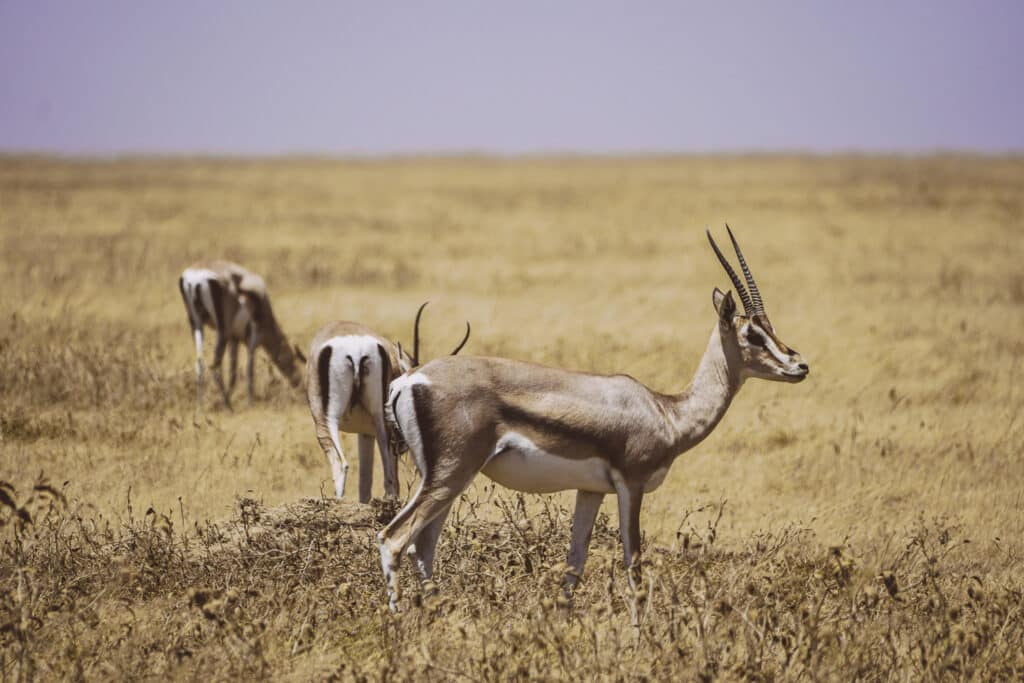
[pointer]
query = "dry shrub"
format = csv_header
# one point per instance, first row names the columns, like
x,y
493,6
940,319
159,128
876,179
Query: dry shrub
x,y
296,590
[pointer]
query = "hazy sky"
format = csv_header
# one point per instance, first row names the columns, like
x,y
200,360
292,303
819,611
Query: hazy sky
x,y
253,77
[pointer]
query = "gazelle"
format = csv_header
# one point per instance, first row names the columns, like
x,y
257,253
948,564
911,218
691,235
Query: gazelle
x,y
234,302
346,384
539,430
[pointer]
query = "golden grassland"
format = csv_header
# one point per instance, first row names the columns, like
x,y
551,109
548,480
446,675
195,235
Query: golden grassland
x,y
865,523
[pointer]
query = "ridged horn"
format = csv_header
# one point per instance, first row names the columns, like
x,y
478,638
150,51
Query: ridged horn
x,y
736,282
755,295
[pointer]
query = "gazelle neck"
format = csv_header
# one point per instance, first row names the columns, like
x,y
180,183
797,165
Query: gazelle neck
x,y
696,411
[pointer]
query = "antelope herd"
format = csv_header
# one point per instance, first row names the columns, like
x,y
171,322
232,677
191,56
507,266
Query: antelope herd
x,y
527,427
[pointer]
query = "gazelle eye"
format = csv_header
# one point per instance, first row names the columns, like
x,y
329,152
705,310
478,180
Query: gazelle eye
x,y
754,338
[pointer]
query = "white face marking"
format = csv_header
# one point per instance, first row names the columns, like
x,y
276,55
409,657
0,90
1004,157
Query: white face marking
x,y
517,463
772,347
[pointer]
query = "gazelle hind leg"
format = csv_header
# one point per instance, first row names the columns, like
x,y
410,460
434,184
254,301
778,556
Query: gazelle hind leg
x,y
428,503
197,334
432,500
365,468
374,395
339,387
423,546
232,365
195,324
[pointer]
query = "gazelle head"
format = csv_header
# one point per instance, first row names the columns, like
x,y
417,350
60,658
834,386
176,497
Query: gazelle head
x,y
749,337
290,361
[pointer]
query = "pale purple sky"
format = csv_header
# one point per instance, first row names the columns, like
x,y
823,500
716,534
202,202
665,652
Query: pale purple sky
x,y
245,77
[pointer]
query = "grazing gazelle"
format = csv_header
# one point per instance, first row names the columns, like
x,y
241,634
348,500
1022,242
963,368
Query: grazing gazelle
x,y
234,302
347,381
540,430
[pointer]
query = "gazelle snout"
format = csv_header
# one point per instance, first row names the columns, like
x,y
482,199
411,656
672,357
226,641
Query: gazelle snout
x,y
796,368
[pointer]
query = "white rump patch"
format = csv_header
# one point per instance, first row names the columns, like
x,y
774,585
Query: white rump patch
x,y
405,416
194,276
517,463
197,278
355,345
351,402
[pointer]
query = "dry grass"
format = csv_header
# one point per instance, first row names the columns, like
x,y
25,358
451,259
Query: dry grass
x,y
841,552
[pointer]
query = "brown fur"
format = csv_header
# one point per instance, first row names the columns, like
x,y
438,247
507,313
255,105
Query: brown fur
x,y
233,289
622,436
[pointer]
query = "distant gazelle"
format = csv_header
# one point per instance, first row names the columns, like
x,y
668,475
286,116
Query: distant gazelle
x,y
540,430
347,380
234,302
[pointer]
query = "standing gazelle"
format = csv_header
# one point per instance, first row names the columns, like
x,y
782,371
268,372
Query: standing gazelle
x,y
347,381
540,430
234,301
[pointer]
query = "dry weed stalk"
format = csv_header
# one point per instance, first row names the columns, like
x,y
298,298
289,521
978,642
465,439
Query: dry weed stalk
x,y
276,591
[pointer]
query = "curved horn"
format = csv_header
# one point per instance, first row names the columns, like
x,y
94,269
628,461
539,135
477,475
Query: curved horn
x,y
463,342
755,295
416,335
740,289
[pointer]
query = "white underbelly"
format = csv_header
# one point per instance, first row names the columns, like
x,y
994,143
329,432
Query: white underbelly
x,y
536,471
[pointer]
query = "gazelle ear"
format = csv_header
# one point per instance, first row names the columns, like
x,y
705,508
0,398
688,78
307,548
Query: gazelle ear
x,y
724,305
298,352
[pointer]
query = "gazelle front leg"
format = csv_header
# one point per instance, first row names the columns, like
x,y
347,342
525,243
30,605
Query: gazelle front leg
x,y
251,343
587,506
232,365
629,499
389,460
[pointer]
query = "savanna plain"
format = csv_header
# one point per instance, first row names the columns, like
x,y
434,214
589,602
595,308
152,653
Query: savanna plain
x,y
864,524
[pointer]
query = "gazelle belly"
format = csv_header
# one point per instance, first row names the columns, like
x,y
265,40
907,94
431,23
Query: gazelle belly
x,y
356,420
520,465
239,323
